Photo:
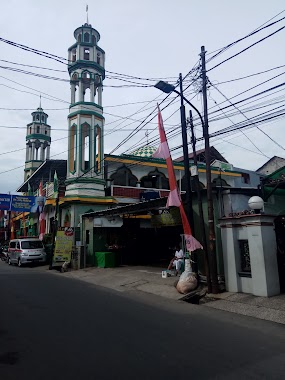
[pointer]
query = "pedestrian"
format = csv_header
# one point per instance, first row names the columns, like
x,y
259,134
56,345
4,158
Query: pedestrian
x,y
177,260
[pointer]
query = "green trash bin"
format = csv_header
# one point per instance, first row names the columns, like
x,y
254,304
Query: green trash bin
x,y
105,259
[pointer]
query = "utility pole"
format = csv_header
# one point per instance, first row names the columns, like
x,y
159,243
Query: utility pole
x,y
55,229
200,205
212,235
189,210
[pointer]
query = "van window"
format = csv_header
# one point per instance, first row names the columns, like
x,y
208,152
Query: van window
x,y
18,245
32,244
12,244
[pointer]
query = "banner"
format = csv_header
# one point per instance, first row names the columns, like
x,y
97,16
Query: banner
x,y
63,245
22,203
5,201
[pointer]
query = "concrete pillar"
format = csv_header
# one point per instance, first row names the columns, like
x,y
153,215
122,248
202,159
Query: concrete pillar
x,y
258,231
72,88
47,152
92,96
99,96
33,151
42,158
27,152
80,99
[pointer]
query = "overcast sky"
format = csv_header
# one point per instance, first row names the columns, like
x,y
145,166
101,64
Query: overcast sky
x,y
147,39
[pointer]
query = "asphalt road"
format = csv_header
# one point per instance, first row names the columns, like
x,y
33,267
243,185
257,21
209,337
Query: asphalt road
x,y
53,327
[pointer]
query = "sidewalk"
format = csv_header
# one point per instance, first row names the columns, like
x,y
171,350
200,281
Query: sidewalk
x,y
270,309
149,280
122,279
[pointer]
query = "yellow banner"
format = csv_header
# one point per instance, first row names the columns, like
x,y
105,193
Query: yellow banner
x,y
63,245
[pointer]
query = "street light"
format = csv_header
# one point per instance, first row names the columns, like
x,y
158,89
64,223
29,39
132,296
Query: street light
x,y
168,88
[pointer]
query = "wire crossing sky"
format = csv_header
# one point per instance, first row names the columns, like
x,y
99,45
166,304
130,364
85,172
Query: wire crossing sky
x,y
245,62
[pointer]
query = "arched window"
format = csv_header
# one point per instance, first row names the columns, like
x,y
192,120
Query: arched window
x,y
93,40
86,54
192,184
72,149
219,182
73,55
98,58
85,146
38,129
79,38
43,118
86,37
45,132
38,117
124,177
74,76
30,130
155,180
34,118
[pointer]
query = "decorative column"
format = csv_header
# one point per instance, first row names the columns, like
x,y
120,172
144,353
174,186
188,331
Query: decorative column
x,y
250,254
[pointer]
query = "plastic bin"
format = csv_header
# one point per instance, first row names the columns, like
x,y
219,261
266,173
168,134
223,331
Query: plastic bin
x,y
105,259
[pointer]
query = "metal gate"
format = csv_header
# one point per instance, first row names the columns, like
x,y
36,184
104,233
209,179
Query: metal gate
x,y
280,239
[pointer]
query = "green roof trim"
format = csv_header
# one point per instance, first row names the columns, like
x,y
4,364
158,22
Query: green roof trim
x,y
86,104
85,180
82,63
81,112
38,136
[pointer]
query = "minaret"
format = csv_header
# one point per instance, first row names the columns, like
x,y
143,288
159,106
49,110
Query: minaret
x,y
37,142
86,61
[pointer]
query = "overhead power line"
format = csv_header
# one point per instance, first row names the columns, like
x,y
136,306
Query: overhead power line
x,y
247,48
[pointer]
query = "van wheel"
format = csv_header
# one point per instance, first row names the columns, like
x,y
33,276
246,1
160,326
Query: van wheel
x,y
19,263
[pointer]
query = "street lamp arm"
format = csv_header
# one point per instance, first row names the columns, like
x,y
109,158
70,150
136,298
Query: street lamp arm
x,y
191,105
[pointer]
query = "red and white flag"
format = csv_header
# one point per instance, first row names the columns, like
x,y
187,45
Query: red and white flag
x,y
174,198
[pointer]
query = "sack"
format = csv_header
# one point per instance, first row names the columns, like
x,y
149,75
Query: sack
x,y
187,282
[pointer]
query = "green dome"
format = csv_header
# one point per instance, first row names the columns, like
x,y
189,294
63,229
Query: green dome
x,y
145,151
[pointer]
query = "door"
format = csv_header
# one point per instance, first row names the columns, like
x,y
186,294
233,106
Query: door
x,y
280,239
12,248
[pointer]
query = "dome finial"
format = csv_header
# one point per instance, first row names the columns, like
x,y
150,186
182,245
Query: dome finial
x,y
87,13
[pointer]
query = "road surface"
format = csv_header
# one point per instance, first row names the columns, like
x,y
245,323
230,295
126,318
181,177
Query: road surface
x,y
53,327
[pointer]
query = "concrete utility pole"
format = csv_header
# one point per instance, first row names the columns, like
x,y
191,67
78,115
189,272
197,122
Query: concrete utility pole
x,y
200,205
212,235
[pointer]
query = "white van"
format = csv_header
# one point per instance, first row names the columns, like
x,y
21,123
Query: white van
x,y
25,251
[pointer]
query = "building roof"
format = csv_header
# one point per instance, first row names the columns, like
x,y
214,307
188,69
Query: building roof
x,y
45,173
274,158
214,155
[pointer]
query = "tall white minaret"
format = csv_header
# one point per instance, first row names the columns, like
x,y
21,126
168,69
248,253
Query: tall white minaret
x,y
85,174
38,142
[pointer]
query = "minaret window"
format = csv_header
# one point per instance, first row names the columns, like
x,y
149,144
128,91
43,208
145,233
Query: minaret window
x,y
98,58
43,118
38,129
86,54
34,118
93,40
79,38
72,152
85,147
45,132
86,37
73,57
38,117
30,130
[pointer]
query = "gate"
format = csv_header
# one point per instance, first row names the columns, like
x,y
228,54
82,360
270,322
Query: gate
x,y
280,239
